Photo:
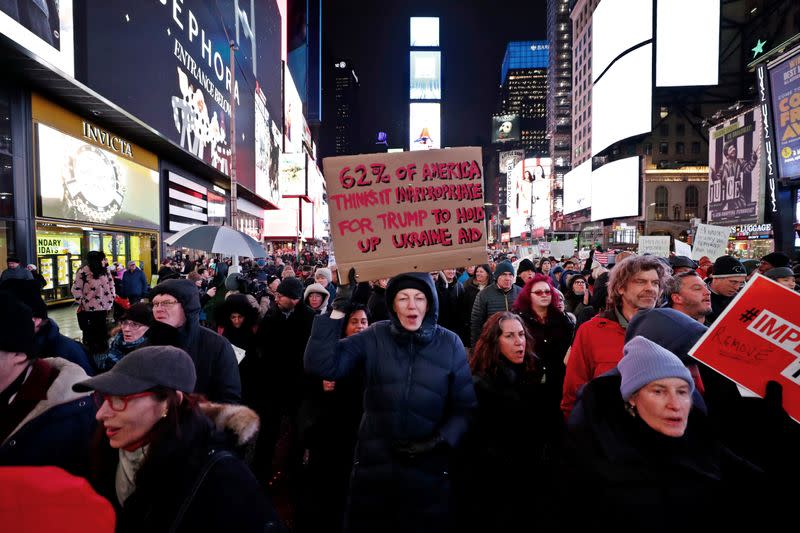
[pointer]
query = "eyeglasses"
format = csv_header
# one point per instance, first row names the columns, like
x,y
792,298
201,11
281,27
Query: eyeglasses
x,y
116,403
166,304
131,324
579,282
545,292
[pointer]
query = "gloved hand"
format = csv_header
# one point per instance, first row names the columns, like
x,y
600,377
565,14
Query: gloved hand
x,y
412,449
773,395
344,293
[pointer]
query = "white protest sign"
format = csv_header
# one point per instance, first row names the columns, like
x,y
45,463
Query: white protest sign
x,y
657,245
681,248
710,241
562,248
583,255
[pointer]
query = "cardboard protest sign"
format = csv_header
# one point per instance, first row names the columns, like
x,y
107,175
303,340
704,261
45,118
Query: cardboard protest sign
x,y
710,241
681,248
757,339
657,245
408,211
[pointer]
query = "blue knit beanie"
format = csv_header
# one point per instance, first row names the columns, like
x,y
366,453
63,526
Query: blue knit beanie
x,y
645,361
502,267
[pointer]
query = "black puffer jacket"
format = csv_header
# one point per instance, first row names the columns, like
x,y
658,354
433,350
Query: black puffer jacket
x,y
214,360
417,387
634,472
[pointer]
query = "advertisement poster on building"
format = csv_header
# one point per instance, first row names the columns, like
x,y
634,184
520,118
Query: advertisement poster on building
x,y
45,27
785,87
505,128
81,181
509,159
407,211
757,339
735,178
267,150
188,89
528,191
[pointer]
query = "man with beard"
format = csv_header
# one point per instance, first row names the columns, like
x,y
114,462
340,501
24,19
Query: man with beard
x,y
633,284
686,292
499,296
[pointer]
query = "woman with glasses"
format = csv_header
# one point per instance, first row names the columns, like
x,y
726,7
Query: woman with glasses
x,y
550,328
159,459
130,335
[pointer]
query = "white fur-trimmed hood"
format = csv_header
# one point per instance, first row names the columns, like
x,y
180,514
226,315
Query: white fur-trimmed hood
x,y
242,421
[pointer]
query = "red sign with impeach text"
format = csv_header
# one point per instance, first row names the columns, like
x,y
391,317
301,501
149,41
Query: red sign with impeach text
x,y
757,339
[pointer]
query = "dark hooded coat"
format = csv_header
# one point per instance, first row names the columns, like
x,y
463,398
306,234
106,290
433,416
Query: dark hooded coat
x,y
213,356
417,386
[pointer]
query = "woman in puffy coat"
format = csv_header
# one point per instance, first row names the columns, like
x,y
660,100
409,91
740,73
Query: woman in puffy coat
x,y
94,291
550,328
418,400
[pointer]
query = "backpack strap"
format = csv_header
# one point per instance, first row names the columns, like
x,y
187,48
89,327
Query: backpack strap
x,y
214,457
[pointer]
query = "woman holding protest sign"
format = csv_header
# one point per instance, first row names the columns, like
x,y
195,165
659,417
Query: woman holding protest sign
x,y
417,402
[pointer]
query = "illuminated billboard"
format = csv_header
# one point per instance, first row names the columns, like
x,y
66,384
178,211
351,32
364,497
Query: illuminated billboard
x,y
615,189
735,177
81,181
505,128
622,100
425,78
292,174
578,188
609,41
785,88
293,121
424,31
529,185
424,125
44,28
681,61
267,150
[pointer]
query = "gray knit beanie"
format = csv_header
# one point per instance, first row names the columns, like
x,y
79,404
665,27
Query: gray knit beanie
x,y
645,361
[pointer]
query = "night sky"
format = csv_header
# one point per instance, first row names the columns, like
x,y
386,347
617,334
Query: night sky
x,y
373,36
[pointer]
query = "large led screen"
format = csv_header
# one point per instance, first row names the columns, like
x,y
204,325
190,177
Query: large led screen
x,y
80,181
529,183
168,64
424,31
615,189
292,115
578,188
681,61
425,76
283,221
267,149
424,126
505,128
292,174
785,88
43,27
622,100
617,26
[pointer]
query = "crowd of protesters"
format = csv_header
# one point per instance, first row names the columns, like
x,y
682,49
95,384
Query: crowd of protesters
x,y
274,395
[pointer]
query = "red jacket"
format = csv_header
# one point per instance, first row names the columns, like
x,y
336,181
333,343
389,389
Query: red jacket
x,y
45,498
597,348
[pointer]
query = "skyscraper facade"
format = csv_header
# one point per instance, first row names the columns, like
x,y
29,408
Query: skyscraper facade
x,y
346,98
559,101
524,92
581,16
